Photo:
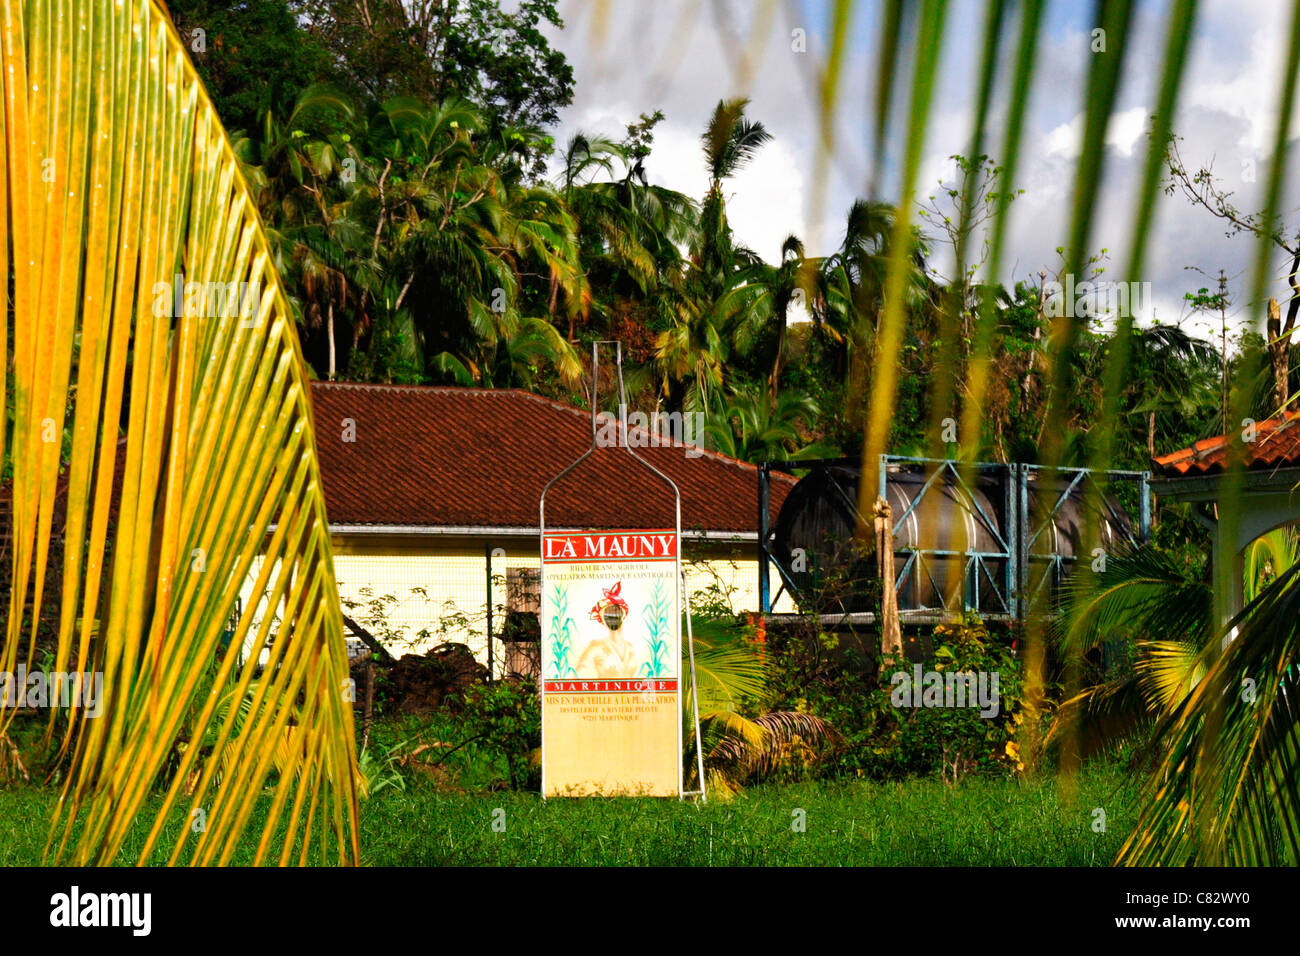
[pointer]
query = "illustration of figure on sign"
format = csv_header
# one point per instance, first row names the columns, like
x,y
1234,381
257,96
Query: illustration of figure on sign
x,y
612,656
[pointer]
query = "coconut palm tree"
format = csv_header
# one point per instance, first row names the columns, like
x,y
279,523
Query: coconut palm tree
x,y
1226,791
1161,609
760,301
851,288
731,141
690,354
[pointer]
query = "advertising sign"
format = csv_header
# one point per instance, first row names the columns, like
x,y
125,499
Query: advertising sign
x,y
611,664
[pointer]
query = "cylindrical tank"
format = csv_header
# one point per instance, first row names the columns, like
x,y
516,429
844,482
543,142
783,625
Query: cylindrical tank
x,y
1060,534
814,537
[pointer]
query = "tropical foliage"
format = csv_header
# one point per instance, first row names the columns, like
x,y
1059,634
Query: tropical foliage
x,y
1226,791
394,194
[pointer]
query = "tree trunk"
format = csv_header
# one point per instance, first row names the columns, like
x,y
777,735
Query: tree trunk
x,y
1279,350
369,640
1279,338
330,333
776,364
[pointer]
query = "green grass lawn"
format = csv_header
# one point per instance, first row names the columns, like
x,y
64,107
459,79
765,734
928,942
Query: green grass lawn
x,y
981,822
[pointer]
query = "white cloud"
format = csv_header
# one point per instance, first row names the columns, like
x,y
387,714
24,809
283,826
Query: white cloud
x,y
765,201
673,56
1125,132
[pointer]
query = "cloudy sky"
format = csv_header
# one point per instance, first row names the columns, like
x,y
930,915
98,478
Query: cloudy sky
x,y
682,56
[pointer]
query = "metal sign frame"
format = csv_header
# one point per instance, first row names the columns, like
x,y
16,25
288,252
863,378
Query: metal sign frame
x,y
684,600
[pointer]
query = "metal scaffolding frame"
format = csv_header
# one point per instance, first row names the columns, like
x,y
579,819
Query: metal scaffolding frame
x,y
1000,583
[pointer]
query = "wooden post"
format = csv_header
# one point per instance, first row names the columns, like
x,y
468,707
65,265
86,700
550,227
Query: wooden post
x,y
370,701
891,630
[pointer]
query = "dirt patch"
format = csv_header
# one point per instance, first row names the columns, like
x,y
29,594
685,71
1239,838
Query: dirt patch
x,y
423,684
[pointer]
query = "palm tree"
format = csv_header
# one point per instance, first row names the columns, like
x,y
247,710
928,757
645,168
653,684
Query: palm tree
x,y
1157,607
1161,608
1226,791
1174,375
851,288
738,748
731,140
691,353
216,459
761,300
304,193
628,230
752,428
457,240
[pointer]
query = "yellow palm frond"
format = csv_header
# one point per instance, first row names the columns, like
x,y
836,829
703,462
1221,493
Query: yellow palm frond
x,y
1168,671
190,452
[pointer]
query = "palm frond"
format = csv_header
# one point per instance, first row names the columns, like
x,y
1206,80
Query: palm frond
x,y
1101,714
1228,788
739,748
1168,671
1141,593
217,463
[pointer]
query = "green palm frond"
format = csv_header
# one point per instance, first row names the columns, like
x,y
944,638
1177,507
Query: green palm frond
x,y
1142,592
1168,671
1101,714
728,672
1267,557
1228,788
731,139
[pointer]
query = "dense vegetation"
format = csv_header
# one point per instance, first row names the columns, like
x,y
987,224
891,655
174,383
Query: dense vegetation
x,y
433,231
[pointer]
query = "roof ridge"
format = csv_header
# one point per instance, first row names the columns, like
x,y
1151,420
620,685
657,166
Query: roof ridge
x,y
718,456
655,441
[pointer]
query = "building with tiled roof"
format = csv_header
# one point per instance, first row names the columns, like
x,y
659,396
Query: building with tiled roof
x,y
1265,492
432,496
1268,445
467,458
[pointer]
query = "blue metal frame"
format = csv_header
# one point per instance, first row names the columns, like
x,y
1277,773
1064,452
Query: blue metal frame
x,y
1015,597
977,562
1056,564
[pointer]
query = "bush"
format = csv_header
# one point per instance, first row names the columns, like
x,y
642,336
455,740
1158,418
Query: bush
x,y
506,719
813,672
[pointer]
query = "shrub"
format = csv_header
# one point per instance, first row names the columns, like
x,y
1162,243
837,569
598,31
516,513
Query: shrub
x,y
815,672
506,719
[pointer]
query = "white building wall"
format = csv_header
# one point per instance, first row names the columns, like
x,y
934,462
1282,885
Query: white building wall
x,y
416,592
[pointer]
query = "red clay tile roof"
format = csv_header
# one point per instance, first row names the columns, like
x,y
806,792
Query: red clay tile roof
x,y
1276,445
461,457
